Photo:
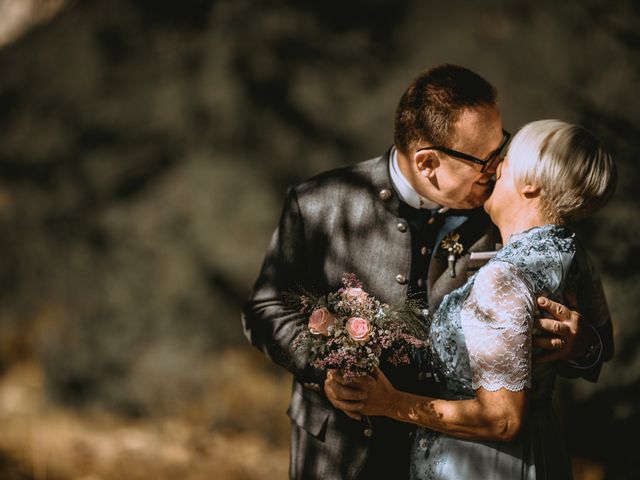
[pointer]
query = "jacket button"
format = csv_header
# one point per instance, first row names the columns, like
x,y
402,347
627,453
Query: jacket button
x,y
385,194
420,282
312,386
401,279
368,432
424,251
431,221
402,227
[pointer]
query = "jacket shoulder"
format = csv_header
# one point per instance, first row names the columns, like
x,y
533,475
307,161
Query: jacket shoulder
x,y
349,175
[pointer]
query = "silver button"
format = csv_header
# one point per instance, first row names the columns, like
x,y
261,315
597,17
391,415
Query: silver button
x,y
385,194
402,227
425,251
401,279
420,282
368,432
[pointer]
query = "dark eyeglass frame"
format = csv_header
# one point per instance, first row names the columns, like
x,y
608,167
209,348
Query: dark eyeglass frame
x,y
470,158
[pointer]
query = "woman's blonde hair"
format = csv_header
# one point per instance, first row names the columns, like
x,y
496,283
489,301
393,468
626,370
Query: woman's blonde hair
x,y
574,172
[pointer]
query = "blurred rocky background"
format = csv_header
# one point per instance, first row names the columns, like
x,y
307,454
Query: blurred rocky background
x,y
145,147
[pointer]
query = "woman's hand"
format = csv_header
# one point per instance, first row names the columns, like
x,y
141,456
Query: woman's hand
x,y
380,394
367,395
343,395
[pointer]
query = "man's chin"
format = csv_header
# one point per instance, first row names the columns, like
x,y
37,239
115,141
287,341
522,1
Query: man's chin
x,y
471,202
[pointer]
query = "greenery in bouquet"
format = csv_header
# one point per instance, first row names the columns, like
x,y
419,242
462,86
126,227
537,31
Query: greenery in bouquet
x,y
351,330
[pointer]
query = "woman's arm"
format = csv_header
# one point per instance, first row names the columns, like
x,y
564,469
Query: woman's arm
x,y
491,415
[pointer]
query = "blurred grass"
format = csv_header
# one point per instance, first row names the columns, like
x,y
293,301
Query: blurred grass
x,y
238,431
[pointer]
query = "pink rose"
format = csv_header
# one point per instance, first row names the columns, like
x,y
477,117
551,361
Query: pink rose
x,y
356,294
320,321
358,329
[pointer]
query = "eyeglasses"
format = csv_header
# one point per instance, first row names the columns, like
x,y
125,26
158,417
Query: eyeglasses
x,y
486,164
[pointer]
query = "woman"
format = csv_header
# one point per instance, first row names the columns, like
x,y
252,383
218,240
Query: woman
x,y
492,417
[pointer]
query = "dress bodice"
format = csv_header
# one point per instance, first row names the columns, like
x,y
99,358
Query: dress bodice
x,y
480,336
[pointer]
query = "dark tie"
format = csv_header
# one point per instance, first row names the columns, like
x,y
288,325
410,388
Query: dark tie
x,y
416,217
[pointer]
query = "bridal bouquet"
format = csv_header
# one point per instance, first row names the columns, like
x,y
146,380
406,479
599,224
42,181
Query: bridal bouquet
x,y
350,330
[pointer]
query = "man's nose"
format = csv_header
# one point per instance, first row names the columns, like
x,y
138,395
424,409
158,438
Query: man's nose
x,y
493,168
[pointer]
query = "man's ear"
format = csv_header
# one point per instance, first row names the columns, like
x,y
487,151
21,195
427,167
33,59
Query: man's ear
x,y
530,191
426,163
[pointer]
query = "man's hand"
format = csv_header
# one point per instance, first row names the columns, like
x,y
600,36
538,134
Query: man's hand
x,y
568,341
345,396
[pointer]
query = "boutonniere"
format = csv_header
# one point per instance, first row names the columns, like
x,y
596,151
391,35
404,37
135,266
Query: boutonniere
x,y
453,248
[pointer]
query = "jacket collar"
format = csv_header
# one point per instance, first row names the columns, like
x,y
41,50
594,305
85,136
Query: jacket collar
x,y
383,186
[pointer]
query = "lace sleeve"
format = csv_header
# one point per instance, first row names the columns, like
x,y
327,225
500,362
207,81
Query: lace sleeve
x,y
497,319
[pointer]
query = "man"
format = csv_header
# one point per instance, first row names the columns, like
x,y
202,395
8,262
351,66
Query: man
x,y
385,220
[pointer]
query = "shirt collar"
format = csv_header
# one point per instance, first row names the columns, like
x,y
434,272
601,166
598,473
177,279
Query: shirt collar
x,y
405,191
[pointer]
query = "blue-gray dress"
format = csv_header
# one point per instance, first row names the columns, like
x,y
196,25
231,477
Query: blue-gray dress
x,y
481,337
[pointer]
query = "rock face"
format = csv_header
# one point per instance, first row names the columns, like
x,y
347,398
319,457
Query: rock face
x,y
145,150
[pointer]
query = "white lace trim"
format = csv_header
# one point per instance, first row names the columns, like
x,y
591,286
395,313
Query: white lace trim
x,y
498,384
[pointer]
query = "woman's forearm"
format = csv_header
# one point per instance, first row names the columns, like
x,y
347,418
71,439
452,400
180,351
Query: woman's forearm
x,y
491,416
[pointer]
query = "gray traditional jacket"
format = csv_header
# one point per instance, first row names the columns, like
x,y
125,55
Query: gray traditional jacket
x,y
345,220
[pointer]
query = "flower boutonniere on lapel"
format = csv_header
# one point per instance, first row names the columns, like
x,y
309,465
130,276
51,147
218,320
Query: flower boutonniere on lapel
x,y
453,248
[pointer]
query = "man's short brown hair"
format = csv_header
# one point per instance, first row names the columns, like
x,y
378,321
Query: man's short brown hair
x,y
430,107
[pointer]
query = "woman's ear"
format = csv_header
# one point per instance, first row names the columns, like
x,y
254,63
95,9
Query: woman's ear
x,y
530,191
426,163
